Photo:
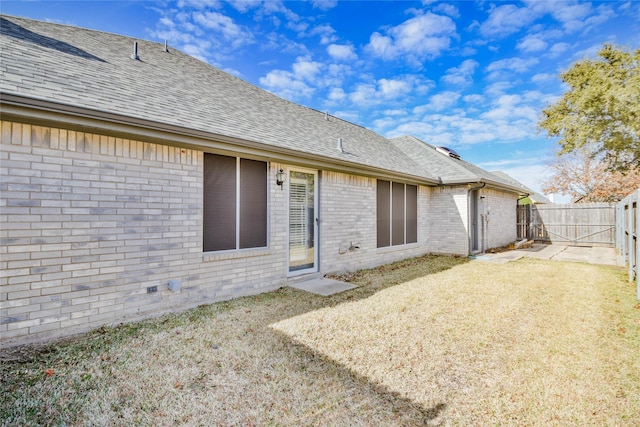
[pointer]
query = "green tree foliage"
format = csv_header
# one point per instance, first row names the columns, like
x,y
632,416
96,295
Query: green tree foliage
x,y
601,108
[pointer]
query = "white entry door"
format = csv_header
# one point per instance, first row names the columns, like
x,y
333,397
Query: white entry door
x,y
303,222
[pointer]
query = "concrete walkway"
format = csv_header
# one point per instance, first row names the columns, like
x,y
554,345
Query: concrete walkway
x,y
322,286
590,255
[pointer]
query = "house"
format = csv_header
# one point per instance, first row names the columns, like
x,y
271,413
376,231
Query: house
x,y
137,180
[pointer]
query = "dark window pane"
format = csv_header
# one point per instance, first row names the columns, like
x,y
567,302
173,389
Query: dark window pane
x,y
382,207
253,204
397,214
219,204
412,214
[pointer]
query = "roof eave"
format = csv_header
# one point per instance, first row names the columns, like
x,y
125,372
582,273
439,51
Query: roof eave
x,y
490,183
31,110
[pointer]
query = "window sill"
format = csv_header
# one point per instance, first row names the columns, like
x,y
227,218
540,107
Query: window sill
x,y
235,254
397,248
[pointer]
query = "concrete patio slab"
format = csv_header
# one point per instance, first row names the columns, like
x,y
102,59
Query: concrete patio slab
x,y
322,286
541,251
590,255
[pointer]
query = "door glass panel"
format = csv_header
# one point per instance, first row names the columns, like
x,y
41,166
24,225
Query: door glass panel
x,y
301,221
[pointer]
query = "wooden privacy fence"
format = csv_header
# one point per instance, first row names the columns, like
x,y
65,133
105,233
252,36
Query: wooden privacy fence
x,y
581,224
627,241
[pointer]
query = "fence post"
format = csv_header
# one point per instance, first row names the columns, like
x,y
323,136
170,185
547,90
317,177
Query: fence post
x,y
530,225
636,231
620,232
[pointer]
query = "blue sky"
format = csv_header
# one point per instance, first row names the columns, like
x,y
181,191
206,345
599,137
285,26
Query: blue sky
x,y
470,75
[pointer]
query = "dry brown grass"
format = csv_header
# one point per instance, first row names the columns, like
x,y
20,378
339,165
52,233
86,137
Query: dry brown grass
x,y
432,341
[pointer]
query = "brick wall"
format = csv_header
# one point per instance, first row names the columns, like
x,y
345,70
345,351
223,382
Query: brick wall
x,y
348,216
449,221
501,229
90,221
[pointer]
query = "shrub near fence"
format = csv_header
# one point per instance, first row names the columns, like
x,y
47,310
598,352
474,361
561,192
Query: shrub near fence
x,y
627,240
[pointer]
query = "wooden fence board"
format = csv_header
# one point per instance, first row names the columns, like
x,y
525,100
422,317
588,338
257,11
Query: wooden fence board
x,y
628,235
582,224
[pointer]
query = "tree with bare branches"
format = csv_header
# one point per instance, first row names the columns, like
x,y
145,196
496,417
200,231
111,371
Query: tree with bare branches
x,y
584,175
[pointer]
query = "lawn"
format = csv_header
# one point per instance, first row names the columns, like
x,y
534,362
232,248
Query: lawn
x,y
429,341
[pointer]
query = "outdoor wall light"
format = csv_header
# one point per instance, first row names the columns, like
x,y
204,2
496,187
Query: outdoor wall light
x,y
281,176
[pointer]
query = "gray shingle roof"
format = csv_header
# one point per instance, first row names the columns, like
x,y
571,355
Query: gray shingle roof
x,y
453,171
93,70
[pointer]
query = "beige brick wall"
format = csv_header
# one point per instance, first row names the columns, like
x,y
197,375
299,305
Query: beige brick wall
x,y
449,220
501,228
450,229
90,221
348,216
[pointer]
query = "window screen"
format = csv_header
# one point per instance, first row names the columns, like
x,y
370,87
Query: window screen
x,y
412,213
397,213
219,207
383,213
234,212
253,204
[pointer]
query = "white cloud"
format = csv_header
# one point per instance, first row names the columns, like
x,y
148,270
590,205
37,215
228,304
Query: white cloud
x,y
419,38
392,88
462,74
544,78
268,8
286,85
382,46
602,15
324,4
197,49
200,4
558,49
573,15
532,43
280,43
395,112
473,99
439,102
509,108
224,26
388,90
326,32
304,69
447,9
299,83
337,94
244,6
209,36
529,170
515,65
498,88
570,13
506,20
341,52
384,123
